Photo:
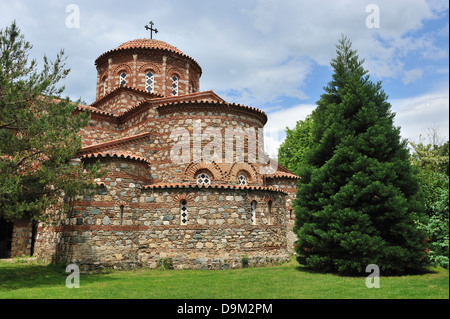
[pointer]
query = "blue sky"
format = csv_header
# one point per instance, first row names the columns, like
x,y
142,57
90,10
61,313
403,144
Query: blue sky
x,y
273,55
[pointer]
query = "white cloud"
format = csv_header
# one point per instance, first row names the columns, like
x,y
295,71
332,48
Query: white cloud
x,y
415,115
255,50
412,75
252,52
274,130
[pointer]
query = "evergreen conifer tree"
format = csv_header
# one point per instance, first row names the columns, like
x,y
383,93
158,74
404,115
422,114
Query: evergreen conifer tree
x,y
38,132
358,198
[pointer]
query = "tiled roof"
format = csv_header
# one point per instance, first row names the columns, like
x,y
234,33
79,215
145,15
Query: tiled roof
x,y
283,172
193,97
148,44
221,105
106,145
226,186
118,154
120,89
93,109
279,174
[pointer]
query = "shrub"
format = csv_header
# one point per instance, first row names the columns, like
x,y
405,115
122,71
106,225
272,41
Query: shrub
x,y
244,261
166,263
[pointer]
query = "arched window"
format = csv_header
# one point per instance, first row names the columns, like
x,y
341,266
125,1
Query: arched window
x,y
269,212
253,208
242,180
174,85
122,79
183,212
149,81
121,215
203,179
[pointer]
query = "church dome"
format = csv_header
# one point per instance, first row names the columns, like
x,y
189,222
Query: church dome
x,y
150,65
149,44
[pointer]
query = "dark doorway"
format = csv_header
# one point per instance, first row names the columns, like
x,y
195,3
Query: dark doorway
x,y
33,236
6,232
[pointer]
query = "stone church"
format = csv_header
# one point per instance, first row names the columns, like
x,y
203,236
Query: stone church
x,y
187,179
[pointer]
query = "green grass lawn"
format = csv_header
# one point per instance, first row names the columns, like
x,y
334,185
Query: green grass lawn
x,y
36,280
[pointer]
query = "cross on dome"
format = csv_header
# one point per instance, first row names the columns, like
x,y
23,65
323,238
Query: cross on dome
x,y
151,29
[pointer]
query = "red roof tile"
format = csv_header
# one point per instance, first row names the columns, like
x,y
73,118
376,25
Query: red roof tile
x,y
105,145
220,106
282,172
227,186
119,154
93,109
148,44
120,89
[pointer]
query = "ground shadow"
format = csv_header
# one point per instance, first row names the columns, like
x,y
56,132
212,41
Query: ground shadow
x,y
18,276
302,268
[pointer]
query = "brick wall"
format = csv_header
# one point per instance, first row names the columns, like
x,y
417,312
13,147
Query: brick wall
x,y
137,62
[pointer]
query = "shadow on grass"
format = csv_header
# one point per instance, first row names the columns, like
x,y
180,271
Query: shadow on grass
x,y
18,276
302,268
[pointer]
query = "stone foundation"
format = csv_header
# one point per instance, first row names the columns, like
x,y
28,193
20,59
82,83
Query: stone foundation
x,y
218,233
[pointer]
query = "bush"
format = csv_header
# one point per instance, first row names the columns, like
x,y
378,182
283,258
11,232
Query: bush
x,y
166,262
438,229
244,261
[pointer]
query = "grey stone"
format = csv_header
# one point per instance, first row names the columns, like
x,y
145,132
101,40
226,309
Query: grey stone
x,y
106,220
197,236
102,191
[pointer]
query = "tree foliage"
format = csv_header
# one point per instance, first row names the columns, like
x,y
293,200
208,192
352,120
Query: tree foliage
x,y
358,198
431,157
38,131
291,153
432,161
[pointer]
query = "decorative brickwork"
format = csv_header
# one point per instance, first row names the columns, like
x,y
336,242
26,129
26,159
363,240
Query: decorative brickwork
x,y
183,180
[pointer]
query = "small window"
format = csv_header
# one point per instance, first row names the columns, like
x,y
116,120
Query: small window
x,y
242,180
183,212
174,85
121,215
253,208
149,82
203,179
122,79
103,86
269,212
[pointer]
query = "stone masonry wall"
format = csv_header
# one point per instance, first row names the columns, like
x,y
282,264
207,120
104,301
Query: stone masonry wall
x,y
289,186
21,238
218,232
